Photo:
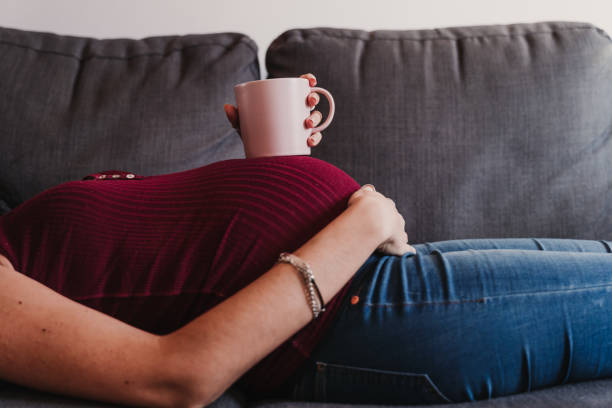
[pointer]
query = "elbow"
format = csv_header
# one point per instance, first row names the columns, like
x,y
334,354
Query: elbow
x,y
194,397
181,396
183,390
180,392
186,385
174,392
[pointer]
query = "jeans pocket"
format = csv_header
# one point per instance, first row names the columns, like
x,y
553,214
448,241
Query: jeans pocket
x,y
349,384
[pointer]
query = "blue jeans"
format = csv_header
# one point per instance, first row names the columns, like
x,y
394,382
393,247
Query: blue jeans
x,y
467,320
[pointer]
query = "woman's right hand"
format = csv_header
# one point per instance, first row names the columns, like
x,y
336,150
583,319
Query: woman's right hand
x,y
387,218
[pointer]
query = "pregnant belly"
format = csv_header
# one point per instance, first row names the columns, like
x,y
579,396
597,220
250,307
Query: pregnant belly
x,y
159,250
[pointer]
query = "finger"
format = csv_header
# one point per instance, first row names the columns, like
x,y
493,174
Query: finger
x,y
314,119
311,79
361,191
312,99
369,187
405,246
399,249
384,247
410,248
232,114
314,139
397,245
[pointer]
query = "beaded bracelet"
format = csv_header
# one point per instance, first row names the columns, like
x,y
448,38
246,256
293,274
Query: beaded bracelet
x,y
309,282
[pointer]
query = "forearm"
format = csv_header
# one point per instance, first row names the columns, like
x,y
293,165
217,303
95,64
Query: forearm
x,y
228,340
50,342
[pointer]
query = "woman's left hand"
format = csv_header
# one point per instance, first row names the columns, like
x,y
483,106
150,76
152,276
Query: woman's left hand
x,y
311,121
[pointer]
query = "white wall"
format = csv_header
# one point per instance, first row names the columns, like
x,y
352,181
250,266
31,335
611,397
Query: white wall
x,y
263,20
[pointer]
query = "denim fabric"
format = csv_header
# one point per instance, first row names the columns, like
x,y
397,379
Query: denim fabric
x,y
466,320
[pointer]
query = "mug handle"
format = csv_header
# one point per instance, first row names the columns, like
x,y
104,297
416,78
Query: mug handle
x,y
332,109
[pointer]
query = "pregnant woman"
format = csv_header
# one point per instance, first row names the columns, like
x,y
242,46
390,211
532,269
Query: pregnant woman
x,y
283,274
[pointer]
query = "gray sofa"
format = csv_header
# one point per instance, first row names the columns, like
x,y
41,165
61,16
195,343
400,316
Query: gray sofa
x,y
497,131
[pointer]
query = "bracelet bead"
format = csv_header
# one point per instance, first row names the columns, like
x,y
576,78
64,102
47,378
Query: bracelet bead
x,y
313,294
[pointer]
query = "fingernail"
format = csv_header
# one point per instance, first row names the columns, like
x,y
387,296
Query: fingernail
x,y
310,122
368,187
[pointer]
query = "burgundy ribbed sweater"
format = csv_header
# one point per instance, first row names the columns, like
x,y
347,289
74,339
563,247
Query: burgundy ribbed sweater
x,y
158,251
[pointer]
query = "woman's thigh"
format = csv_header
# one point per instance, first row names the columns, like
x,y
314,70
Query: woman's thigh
x,y
536,244
465,325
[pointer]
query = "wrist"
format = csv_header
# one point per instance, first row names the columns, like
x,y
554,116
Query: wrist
x,y
337,251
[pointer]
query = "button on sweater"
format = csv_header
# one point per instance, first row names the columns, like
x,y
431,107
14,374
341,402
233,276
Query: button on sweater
x,y
158,251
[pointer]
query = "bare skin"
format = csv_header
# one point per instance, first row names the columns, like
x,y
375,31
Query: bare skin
x,y
53,343
4,262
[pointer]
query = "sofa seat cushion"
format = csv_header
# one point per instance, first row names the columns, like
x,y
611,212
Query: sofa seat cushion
x,y
592,394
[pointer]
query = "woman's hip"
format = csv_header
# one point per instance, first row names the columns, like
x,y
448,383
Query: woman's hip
x,y
467,324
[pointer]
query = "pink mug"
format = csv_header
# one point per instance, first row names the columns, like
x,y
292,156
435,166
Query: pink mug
x,y
272,115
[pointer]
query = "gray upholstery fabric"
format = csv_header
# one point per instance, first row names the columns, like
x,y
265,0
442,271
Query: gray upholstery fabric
x,y
494,131
472,131
14,396
74,106
594,394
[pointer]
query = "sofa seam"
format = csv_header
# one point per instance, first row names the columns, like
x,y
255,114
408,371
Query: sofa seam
x,y
108,57
339,35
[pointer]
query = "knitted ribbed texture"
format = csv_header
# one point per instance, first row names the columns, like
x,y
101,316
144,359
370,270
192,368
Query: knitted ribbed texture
x,y
158,251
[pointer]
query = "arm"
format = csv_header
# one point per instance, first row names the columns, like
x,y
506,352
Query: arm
x,y
50,342
222,344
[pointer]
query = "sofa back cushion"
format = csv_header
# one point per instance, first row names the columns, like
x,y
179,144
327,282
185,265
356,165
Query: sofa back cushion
x,y
73,106
495,131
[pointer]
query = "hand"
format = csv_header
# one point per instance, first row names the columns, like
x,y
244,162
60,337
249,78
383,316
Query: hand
x,y
384,213
311,121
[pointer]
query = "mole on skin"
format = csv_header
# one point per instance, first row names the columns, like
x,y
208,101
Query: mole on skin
x,y
126,382
20,302
44,330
